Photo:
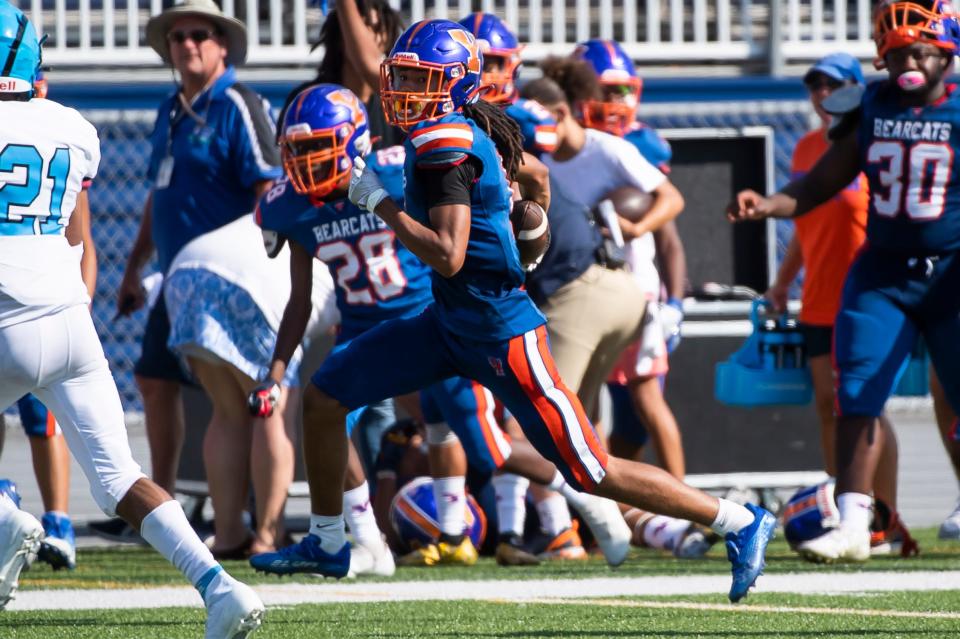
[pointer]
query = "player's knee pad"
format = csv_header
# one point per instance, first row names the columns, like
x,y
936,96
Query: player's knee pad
x,y
440,434
37,421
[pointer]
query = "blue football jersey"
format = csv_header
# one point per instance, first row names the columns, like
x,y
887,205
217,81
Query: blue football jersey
x,y
538,128
651,145
377,278
484,300
908,155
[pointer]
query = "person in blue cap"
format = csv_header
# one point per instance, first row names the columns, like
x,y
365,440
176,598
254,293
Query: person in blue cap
x,y
825,243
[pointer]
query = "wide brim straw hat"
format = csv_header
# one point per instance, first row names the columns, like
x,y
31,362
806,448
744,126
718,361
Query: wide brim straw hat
x,y
234,31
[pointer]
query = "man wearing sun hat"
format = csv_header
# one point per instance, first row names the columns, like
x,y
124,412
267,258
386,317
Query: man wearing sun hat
x,y
213,156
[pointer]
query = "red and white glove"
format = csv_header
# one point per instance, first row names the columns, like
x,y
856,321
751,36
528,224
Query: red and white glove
x,y
263,399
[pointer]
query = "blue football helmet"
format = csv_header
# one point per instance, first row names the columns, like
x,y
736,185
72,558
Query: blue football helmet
x,y
19,51
413,514
324,128
811,512
501,56
616,112
434,69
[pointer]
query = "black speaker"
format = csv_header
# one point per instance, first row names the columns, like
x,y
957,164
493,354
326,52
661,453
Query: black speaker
x,y
709,167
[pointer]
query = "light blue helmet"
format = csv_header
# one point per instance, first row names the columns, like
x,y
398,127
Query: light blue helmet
x,y
19,51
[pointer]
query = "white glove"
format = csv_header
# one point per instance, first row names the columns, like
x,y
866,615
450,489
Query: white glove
x,y
366,189
671,316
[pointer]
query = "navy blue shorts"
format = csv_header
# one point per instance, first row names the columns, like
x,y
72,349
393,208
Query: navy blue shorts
x,y
36,419
468,409
157,361
890,299
407,355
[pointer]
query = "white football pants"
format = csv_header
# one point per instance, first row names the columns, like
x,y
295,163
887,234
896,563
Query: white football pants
x,y
59,358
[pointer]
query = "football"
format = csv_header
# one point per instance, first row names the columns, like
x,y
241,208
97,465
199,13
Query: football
x,y
531,230
630,202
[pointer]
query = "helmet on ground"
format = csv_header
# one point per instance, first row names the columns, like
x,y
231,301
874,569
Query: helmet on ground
x,y
811,512
413,514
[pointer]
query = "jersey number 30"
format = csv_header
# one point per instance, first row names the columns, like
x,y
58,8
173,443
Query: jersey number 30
x,y
23,176
923,170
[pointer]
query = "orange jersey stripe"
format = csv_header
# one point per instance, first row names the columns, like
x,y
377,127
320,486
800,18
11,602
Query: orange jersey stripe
x,y
485,425
551,416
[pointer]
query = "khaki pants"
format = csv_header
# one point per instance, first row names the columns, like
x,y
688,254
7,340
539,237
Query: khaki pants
x,y
590,321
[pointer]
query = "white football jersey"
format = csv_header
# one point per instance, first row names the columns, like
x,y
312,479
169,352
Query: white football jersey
x,y
47,151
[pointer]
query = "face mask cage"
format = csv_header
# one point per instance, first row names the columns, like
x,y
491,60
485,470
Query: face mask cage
x,y
405,107
614,115
316,162
901,24
500,84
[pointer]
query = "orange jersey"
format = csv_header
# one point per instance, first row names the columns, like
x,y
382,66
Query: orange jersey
x,y
829,235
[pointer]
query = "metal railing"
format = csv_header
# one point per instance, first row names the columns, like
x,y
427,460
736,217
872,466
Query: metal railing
x,y
111,32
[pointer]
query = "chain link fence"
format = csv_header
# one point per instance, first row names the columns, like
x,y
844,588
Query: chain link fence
x,y
121,187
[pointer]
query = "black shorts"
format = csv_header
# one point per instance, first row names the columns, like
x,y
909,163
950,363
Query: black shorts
x,y
817,339
157,361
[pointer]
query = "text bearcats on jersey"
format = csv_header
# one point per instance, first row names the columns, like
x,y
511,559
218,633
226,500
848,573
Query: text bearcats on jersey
x,y
348,227
911,130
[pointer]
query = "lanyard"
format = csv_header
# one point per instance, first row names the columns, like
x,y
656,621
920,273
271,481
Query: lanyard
x,y
182,107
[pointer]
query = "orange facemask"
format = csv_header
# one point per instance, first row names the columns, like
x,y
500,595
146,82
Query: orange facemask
x,y
316,162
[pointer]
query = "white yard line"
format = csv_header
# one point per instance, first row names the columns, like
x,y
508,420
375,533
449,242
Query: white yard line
x,y
803,610
820,583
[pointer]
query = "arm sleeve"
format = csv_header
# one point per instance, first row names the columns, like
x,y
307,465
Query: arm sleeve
x,y
256,155
449,185
636,169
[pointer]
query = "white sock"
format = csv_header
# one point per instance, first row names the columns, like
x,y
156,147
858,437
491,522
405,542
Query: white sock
x,y
554,515
573,496
664,532
855,511
166,528
359,517
511,492
451,497
329,528
731,517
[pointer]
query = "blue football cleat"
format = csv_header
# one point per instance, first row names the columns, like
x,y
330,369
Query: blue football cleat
x,y
306,556
745,550
59,546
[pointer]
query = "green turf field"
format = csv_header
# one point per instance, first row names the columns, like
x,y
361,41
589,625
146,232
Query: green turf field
x,y
910,615
131,566
526,621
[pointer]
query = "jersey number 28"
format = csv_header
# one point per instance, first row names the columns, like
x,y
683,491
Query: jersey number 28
x,y
24,174
382,268
922,169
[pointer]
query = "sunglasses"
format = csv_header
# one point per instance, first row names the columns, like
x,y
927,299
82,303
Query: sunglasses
x,y
197,35
824,83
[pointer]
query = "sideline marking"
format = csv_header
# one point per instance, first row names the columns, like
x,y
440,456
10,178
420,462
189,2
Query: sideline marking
x,y
741,608
273,594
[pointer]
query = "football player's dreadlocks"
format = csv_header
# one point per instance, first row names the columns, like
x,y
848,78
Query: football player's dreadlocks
x,y
503,130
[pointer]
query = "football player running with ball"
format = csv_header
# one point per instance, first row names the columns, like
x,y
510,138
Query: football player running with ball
x,y
900,133
48,344
461,156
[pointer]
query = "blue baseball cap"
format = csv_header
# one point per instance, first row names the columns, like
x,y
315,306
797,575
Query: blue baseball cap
x,y
842,67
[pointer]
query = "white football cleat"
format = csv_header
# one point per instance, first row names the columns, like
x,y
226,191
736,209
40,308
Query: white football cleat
x,y
20,537
234,610
950,528
608,527
376,561
839,544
